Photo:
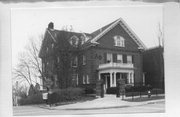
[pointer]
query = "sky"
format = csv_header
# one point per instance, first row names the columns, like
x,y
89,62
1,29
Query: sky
x,y
31,23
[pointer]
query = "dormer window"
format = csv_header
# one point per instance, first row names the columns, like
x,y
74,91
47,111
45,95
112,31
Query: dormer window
x,y
119,41
74,41
82,40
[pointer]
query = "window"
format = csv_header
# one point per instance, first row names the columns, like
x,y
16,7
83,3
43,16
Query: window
x,y
84,80
77,79
87,79
109,57
75,62
82,40
47,49
74,41
119,41
52,45
113,78
84,60
119,58
129,59
43,67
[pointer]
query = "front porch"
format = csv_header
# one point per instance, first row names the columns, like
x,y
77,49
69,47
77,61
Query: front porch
x,y
111,72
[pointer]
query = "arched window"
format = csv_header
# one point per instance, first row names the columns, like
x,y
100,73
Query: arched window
x,y
119,41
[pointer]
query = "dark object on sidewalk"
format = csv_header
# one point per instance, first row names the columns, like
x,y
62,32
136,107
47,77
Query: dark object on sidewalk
x,y
118,88
149,94
118,92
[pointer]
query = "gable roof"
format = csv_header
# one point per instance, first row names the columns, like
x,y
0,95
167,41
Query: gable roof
x,y
102,31
94,36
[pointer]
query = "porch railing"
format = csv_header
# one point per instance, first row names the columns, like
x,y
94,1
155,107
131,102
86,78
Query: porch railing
x,y
116,65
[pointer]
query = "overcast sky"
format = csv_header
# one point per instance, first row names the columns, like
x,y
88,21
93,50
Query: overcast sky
x,y
27,23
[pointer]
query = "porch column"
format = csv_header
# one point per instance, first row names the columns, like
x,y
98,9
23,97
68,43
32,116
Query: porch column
x,y
132,76
105,81
99,76
129,78
111,79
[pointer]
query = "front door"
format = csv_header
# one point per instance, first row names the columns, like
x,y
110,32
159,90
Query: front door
x,y
122,76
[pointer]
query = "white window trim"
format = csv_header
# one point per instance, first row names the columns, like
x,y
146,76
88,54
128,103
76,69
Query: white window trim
x,y
119,41
52,45
84,82
120,57
47,49
127,58
111,57
84,60
76,41
43,66
77,79
87,79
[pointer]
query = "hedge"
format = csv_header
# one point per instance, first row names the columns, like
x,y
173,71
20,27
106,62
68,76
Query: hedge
x,y
67,94
33,99
88,88
58,95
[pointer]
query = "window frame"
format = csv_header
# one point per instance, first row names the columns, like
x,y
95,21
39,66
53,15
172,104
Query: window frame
x,y
87,79
119,41
121,61
84,60
84,79
111,58
131,61
73,60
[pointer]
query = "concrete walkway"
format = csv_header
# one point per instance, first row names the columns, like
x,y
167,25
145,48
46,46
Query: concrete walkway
x,y
109,101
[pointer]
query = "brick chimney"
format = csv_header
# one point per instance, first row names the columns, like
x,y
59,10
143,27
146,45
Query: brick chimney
x,y
51,25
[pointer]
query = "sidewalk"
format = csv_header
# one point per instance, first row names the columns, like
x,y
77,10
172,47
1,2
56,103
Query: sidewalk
x,y
109,101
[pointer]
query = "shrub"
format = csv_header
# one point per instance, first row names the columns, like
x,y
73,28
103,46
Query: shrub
x,y
157,91
112,90
58,95
137,88
89,88
61,95
32,99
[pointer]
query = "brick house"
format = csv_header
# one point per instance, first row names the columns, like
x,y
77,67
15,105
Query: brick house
x,y
154,68
109,53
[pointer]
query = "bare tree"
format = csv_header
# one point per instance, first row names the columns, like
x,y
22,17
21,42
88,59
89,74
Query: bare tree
x,y
160,35
29,67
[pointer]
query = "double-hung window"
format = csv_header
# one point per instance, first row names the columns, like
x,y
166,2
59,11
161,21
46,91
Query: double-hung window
x,y
84,80
119,58
129,58
87,79
75,62
109,57
84,60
